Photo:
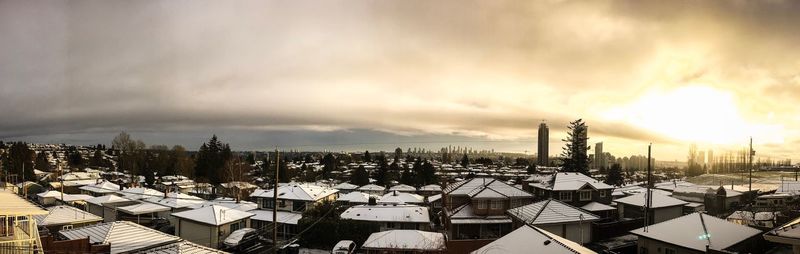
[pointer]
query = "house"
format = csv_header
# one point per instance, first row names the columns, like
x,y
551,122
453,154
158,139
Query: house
x,y
139,193
209,226
56,197
74,180
240,205
662,208
530,239
176,201
18,228
772,202
287,221
671,185
129,237
475,209
345,188
142,213
49,197
397,197
573,188
373,189
430,190
556,217
761,220
401,241
391,216
788,233
96,206
403,188
65,217
101,188
697,233
354,198
177,183
716,199
294,197
434,203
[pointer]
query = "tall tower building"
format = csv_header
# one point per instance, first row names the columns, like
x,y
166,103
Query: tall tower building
x,y
599,156
543,145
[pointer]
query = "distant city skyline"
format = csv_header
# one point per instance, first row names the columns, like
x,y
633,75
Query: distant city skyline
x,y
266,74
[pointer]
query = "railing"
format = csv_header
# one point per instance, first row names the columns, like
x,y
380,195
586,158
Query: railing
x,y
25,238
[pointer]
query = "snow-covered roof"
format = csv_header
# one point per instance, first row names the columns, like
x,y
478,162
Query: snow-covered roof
x,y
372,187
282,216
388,213
345,186
565,181
659,200
296,191
123,236
106,199
750,216
15,205
671,185
242,205
465,214
398,197
596,207
528,239
403,187
182,247
551,211
101,187
407,240
698,230
76,197
788,233
143,208
238,185
176,200
702,190
50,194
431,187
355,197
140,193
214,215
475,186
60,215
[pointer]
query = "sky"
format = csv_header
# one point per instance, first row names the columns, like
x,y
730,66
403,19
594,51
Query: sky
x,y
355,75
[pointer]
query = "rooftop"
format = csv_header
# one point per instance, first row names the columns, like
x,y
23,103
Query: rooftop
x,y
528,238
551,211
297,191
214,215
388,213
61,215
407,240
697,230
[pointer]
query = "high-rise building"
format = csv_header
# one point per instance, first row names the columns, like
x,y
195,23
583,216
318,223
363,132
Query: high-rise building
x,y
543,145
599,156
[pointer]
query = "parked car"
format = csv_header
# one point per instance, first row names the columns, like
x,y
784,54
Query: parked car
x,y
241,239
344,247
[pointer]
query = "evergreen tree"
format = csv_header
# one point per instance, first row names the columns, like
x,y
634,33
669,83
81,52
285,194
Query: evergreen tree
x,y
19,161
74,157
575,158
328,165
367,157
360,176
614,176
426,174
211,159
381,175
398,153
465,161
42,163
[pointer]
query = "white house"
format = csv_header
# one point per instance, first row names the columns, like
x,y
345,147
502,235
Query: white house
x,y
294,197
66,217
391,216
558,218
697,233
96,206
662,208
373,189
209,226
397,197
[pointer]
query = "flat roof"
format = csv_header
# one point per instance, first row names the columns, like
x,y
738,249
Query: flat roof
x,y
16,205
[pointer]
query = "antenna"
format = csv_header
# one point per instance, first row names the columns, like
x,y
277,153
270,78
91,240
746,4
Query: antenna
x,y
750,185
648,201
275,203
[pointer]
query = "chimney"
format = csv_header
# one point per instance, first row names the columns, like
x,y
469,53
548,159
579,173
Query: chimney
x,y
372,201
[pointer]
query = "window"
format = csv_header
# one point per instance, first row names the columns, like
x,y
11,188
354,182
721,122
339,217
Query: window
x,y
281,203
235,226
642,250
480,204
602,193
268,203
497,204
389,224
65,227
566,196
586,195
298,206
670,251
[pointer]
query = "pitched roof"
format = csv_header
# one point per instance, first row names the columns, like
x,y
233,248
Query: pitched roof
x,y
242,205
176,200
214,215
60,215
388,213
355,197
528,238
476,186
659,200
282,216
143,208
401,198
434,198
465,214
575,181
788,233
123,236
595,207
345,186
296,191
101,187
140,193
106,199
431,187
696,230
372,187
551,211
408,240
182,247
402,187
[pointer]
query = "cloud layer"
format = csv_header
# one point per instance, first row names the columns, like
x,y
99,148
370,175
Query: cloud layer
x,y
488,69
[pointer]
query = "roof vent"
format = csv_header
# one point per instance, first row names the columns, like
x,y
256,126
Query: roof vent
x,y
546,242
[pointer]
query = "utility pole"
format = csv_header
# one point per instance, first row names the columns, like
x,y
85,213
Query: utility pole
x,y
275,204
649,192
750,185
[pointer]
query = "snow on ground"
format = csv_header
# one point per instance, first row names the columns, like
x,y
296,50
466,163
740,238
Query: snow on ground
x,y
763,180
